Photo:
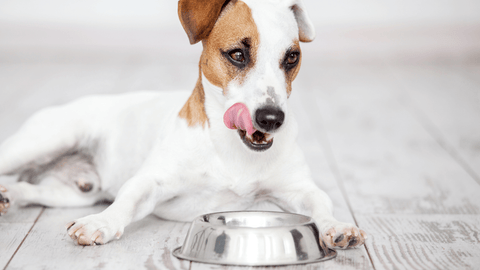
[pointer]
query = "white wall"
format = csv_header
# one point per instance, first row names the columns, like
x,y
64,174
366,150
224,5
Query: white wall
x,y
155,13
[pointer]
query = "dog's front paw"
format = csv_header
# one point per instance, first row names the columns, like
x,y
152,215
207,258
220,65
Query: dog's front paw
x,y
341,235
4,200
94,230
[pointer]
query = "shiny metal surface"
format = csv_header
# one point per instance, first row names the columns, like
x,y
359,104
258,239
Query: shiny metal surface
x,y
253,238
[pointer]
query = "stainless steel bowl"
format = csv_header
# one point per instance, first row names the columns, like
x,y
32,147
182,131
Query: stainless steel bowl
x,y
253,238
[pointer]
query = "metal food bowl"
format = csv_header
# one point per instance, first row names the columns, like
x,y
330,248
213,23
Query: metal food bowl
x,y
254,238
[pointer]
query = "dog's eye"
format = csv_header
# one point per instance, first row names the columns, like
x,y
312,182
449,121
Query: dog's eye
x,y
237,55
292,58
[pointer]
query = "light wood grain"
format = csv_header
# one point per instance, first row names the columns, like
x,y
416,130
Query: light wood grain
x,y
15,228
446,101
390,165
423,241
13,234
146,244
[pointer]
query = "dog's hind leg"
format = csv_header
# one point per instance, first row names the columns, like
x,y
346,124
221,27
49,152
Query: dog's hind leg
x,y
68,181
46,135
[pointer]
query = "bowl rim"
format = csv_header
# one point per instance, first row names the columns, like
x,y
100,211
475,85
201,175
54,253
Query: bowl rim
x,y
200,219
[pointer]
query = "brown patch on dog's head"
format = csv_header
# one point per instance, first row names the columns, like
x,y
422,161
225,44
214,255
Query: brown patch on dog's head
x,y
290,64
234,35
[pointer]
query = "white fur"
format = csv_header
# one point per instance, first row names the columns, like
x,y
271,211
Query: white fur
x,y
150,161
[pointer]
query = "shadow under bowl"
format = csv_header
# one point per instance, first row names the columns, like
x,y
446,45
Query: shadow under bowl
x,y
254,238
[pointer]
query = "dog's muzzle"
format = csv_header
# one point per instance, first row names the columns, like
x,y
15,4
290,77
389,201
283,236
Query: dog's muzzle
x,y
267,119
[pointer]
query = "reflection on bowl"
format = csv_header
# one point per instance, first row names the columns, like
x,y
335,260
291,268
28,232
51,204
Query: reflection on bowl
x,y
254,238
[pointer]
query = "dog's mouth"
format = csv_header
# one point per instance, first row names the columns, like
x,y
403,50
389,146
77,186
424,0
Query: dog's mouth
x,y
238,117
258,141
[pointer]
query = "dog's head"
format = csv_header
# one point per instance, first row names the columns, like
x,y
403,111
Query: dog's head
x,y
251,53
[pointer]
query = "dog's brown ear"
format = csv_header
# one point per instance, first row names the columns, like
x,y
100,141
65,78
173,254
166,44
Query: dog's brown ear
x,y
199,16
306,30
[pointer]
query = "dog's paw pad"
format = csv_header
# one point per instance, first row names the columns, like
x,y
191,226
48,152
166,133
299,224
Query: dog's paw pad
x,y
344,235
339,238
93,230
4,201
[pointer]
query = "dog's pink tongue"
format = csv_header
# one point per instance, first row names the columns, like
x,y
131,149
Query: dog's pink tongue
x,y
238,117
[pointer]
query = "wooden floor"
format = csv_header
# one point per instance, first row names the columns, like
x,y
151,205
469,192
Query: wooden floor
x,y
396,146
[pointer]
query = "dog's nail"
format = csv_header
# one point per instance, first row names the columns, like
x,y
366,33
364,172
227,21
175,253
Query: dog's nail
x,y
98,240
96,236
70,225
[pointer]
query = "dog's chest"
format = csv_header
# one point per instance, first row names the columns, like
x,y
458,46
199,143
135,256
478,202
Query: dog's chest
x,y
212,192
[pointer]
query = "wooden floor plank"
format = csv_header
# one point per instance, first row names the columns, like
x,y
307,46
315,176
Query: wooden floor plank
x,y
446,100
146,244
311,140
424,241
391,165
14,227
385,156
12,234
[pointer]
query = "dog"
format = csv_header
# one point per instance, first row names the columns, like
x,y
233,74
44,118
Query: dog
x,y
225,146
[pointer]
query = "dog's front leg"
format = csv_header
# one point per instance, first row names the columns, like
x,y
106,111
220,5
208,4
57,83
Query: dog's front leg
x,y
304,197
135,200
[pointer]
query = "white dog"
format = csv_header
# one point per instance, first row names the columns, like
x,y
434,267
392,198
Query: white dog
x,y
227,146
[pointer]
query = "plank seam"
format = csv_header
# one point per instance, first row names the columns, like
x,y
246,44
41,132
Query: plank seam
x,y
336,171
28,233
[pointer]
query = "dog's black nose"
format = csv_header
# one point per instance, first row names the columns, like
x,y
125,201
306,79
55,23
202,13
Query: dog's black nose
x,y
269,118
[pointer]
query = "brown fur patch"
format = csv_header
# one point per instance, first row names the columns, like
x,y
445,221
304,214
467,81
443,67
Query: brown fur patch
x,y
291,74
234,26
198,17
194,109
